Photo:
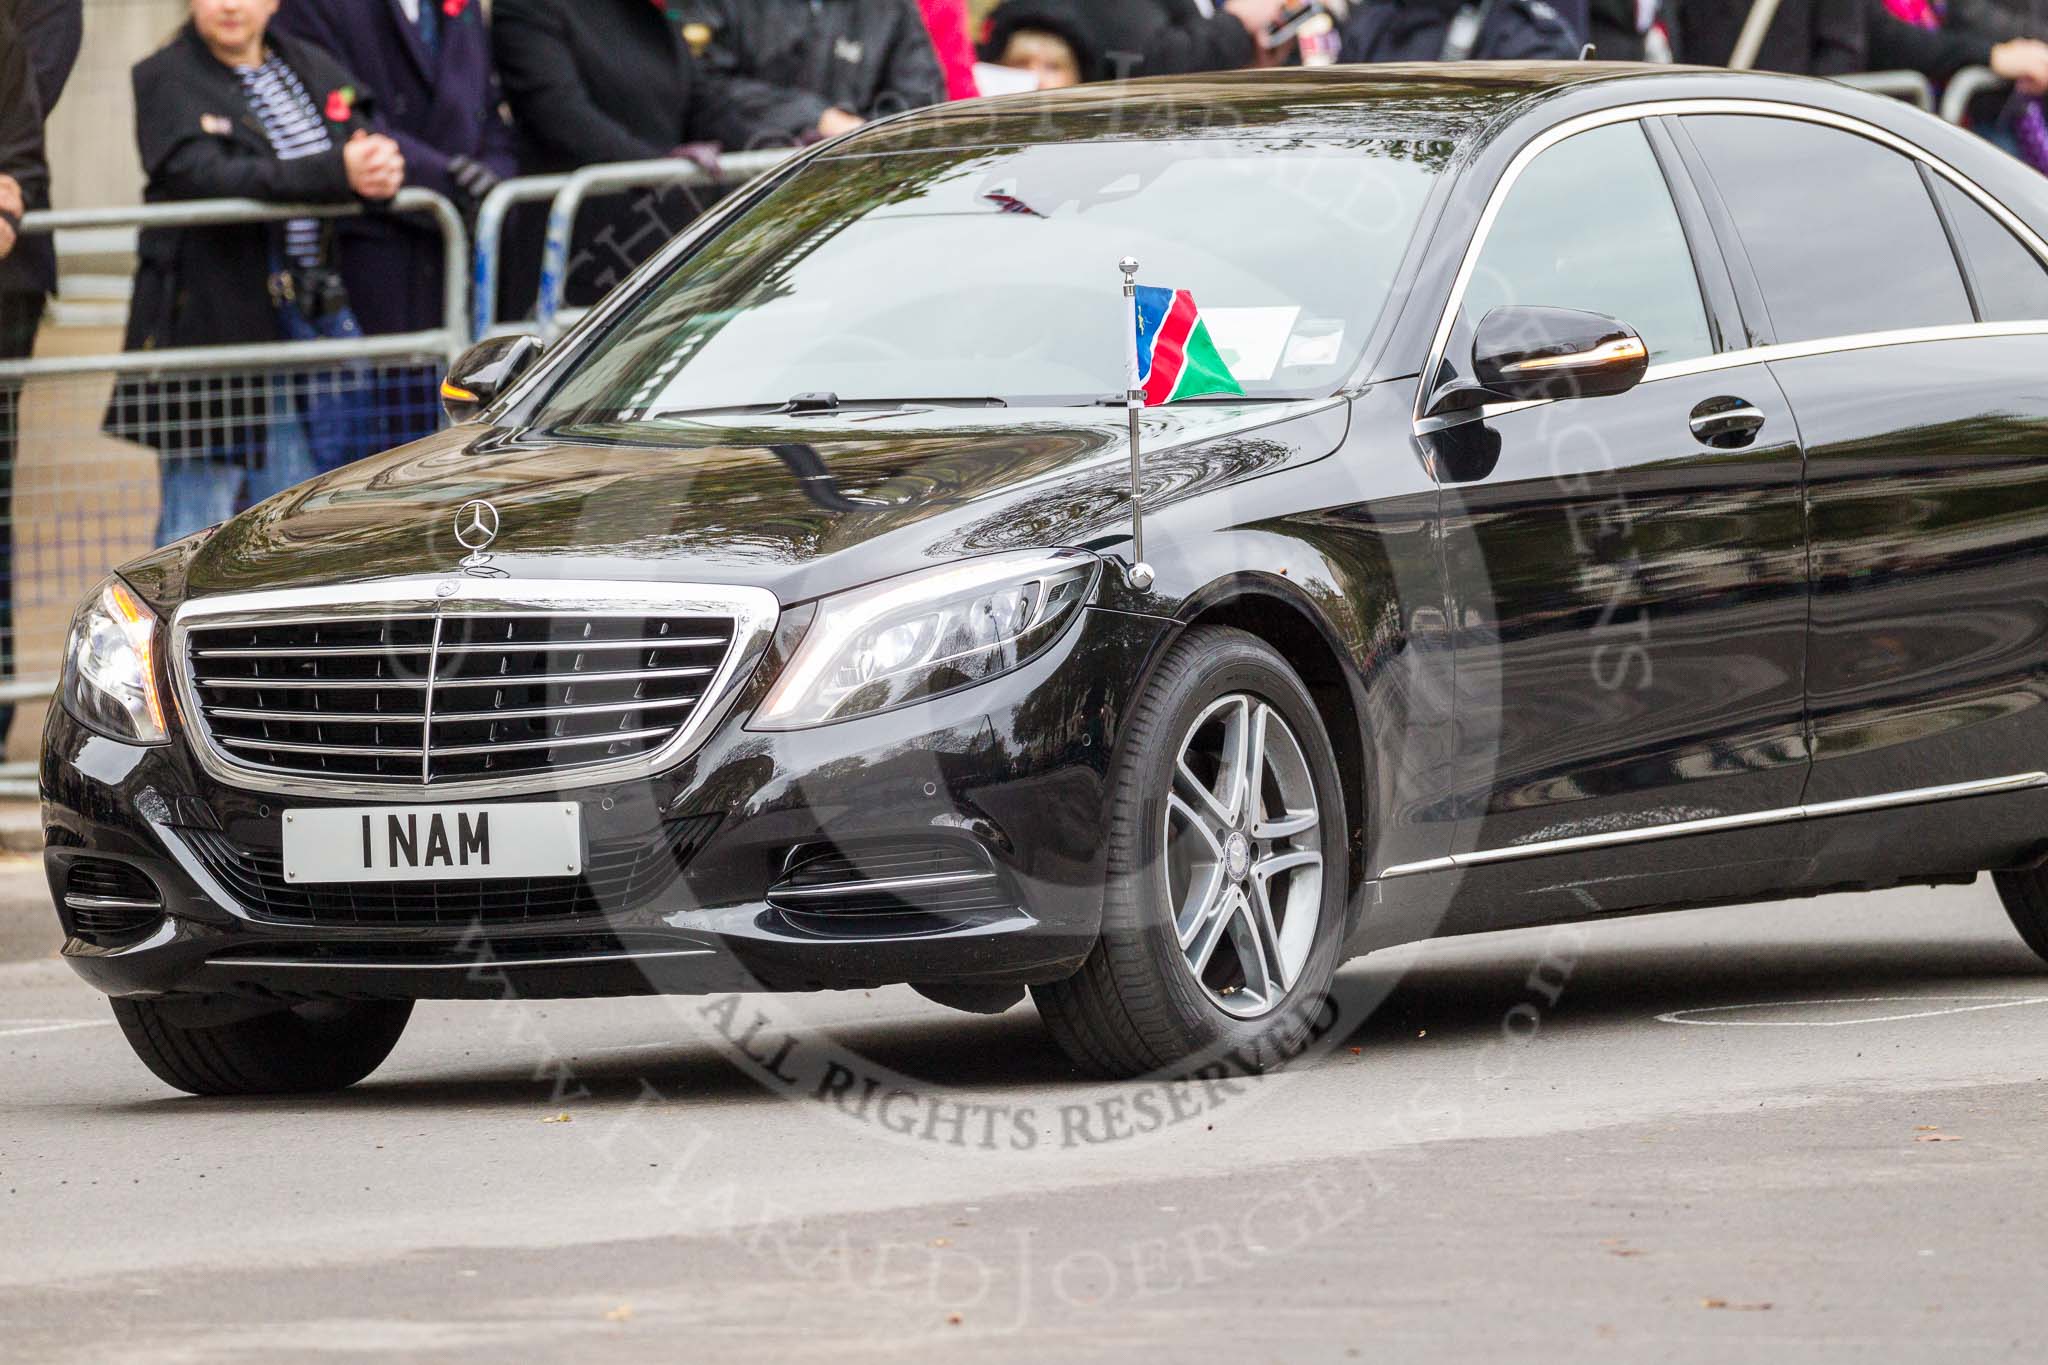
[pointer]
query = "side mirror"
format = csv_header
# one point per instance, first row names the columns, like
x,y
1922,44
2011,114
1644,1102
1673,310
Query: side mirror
x,y
483,372
1527,354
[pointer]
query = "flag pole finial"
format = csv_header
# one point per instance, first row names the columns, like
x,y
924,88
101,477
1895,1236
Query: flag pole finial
x,y
1140,573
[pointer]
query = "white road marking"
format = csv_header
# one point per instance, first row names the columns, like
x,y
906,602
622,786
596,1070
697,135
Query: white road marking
x,y
1981,1002
21,1027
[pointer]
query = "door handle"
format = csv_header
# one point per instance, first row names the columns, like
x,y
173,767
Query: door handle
x,y
1726,423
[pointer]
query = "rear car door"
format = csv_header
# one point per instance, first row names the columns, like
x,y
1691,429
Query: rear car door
x,y
1629,571
1922,396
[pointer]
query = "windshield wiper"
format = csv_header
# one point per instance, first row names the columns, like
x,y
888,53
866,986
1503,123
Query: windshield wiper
x,y
818,404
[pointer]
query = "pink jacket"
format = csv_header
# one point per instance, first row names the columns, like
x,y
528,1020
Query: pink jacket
x,y
947,19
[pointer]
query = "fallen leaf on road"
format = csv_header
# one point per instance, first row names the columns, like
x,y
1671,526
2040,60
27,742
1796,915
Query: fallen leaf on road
x,y
942,1241
1937,1137
1928,1128
623,1313
953,1318
556,1118
1735,1307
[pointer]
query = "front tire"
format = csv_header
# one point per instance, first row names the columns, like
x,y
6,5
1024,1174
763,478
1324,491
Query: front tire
x,y
1223,914
2025,895
303,1050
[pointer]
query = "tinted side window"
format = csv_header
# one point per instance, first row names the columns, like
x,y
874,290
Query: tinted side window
x,y
1590,224
1841,231
2011,284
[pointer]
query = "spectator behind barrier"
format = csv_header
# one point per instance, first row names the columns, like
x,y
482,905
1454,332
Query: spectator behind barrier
x,y
1170,37
949,23
1628,30
38,46
816,68
429,61
592,81
1459,30
1054,40
1939,40
1806,37
228,111
1935,40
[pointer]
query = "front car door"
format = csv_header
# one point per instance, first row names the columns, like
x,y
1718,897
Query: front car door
x,y
1629,573
1922,395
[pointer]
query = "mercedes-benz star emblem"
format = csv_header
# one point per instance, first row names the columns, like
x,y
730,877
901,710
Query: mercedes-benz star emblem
x,y
476,524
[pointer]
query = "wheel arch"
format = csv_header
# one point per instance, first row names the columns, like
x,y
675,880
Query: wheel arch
x,y
1278,612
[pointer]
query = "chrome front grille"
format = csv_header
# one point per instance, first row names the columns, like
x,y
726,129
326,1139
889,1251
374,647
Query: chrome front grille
x,y
492,691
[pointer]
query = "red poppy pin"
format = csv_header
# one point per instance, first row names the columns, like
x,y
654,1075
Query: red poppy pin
x,y
341,104
454,8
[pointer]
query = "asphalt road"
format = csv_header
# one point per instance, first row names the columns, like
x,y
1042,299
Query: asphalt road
x,y
1650,1140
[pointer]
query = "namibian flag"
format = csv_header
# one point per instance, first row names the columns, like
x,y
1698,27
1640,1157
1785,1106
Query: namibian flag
x,y
1176,356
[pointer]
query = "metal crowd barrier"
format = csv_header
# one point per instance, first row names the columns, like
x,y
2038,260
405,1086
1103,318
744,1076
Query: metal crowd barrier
x,y
1954,106
1910,86
1965,86
567,194
83,500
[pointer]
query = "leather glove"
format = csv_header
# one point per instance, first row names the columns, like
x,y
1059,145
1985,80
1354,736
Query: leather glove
x,y
473,180
703,155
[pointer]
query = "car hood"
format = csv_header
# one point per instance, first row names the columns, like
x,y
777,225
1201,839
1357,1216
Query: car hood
x,y
800,506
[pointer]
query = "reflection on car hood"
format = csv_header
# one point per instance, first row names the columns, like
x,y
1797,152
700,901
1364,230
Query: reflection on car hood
x,y
802,506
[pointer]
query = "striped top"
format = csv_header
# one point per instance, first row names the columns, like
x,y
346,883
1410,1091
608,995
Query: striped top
x,y
294,125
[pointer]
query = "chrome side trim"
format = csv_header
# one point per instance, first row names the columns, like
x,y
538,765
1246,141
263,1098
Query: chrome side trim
x,y
1634,113
481,962
753,611
1718,824
886,884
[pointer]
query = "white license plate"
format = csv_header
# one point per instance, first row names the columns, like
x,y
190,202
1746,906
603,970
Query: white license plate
x,y
433,843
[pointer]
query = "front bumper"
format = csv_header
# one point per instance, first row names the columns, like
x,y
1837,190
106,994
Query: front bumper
x,y
1009,774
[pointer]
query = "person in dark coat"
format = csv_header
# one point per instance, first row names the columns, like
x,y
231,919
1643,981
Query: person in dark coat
x,y
428,63
38,47
200,117
591,81
42,49
1430,31
826,66
1806,38
1172,37
1627,31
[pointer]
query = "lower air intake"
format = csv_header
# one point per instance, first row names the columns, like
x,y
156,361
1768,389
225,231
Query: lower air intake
x,y
107,903
911,877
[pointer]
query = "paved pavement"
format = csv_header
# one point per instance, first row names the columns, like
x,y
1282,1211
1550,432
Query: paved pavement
x,y
1810,1129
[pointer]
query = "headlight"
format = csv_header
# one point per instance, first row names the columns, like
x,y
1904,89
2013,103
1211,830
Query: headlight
x,y
110,667
927,634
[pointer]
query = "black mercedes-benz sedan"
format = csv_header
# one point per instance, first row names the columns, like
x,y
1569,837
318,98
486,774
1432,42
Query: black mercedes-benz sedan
x,y
1559,491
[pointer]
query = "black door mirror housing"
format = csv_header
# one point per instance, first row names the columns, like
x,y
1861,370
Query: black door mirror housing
x,y
1524,355
485,371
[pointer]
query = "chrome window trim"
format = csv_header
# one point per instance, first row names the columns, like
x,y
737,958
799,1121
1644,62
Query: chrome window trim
x,y
1757,355
1636,113
1992,786
754,613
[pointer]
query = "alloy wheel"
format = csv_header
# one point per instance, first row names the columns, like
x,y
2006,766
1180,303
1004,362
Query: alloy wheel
x,y
1244,862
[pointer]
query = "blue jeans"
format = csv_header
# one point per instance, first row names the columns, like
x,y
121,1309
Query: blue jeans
x,y
200,492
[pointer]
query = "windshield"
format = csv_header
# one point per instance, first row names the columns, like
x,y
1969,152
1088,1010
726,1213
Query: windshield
x,y
990,274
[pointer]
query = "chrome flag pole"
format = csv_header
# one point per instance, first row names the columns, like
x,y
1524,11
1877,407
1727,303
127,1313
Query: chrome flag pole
x,y
1140,573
